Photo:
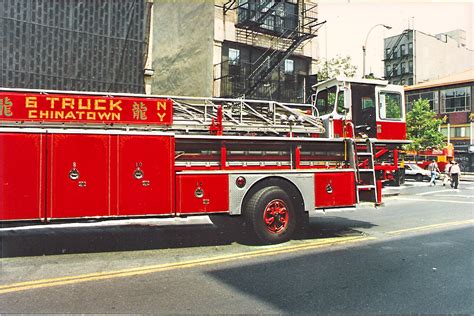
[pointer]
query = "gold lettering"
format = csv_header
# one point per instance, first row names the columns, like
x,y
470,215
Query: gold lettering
x,y
115,117
80,113
90,116
31,102
114,105
51,101
97,105
68,102
161,116
160,105
44,114
70,116
104,116
32,114
84,107
58,115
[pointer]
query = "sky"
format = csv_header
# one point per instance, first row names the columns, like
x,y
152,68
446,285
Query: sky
x,y
349,21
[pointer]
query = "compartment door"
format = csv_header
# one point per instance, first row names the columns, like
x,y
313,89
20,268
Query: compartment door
x,y
78,175
22,162
335,189
145,175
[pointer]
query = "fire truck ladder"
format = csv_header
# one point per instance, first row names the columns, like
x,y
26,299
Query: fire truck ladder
x,y
242,117
366,184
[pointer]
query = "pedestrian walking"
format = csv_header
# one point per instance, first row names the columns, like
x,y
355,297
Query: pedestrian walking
x,y
455,174
447,174
433,168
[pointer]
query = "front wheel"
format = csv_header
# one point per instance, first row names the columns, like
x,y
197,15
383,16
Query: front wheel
x,y
270,216
419,178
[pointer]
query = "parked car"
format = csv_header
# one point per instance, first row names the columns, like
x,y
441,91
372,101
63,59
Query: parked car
x,y
413,171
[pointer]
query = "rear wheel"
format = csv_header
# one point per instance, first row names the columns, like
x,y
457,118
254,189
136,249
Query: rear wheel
x,y
419,177
270,216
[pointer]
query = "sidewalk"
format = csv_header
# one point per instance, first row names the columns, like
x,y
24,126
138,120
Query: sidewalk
x,y
467,176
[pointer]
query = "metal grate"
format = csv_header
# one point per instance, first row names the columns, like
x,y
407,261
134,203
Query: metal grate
x,y
73,44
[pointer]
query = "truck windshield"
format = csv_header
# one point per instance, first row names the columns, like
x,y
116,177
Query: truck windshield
x,y
325,100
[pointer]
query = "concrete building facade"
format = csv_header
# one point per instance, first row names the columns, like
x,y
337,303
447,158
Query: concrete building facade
x,y
414,57
263,49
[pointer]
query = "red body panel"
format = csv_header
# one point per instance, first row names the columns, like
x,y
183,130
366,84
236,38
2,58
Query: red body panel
x,y
342,131
22,190
391,130
89,194
334,189
214,188
151,157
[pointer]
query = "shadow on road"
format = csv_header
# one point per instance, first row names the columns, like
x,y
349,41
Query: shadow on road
x,y
53,241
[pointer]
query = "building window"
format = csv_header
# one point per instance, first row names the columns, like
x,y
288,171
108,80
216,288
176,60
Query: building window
x,y
387,53
410,66
403,67
234,56
410,81
395,53
403,52
403,82
390,106
456,100
431,96
388,71
410,48
395,70
289,66
282,18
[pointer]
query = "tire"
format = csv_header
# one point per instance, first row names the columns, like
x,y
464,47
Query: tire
x,y
419,178
270,216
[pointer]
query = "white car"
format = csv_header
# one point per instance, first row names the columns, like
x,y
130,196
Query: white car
x,y
413,171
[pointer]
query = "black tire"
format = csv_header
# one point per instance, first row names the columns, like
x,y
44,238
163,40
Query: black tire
x,y
270,216
419,178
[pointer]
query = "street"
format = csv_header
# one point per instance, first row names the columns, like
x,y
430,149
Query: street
x,y
414,254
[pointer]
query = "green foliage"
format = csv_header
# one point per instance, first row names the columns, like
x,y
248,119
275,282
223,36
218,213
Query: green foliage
x,y
337,66
393,107
423,127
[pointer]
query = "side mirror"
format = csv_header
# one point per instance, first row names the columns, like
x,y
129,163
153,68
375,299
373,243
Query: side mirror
x,y
347,98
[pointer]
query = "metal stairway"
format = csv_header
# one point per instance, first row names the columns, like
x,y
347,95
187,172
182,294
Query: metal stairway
x,y
366,183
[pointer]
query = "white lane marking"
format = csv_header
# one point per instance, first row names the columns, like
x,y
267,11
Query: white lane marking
x,y
431,192
442,201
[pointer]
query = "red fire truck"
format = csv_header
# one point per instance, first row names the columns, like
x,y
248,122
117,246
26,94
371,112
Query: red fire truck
x,y
259,165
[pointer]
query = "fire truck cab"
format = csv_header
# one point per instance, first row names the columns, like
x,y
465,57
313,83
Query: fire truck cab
x,y
361,108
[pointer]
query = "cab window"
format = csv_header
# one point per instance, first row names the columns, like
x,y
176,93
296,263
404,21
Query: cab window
x,y
325,101
390,106
340,103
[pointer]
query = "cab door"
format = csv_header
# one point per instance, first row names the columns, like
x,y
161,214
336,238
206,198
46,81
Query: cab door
x,y
363,109
390,123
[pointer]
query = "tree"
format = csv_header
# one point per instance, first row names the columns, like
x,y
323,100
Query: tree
x,y
337,66
423,127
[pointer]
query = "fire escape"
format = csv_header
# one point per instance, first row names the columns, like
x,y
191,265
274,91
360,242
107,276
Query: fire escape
x,y
403,58
284,34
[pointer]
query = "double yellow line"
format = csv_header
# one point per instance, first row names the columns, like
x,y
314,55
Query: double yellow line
x,y
268,251
273,250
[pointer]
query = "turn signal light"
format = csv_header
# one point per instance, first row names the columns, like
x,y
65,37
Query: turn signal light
x,y
240,182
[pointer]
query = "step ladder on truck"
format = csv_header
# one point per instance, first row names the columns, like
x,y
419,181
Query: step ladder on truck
x,y
259,166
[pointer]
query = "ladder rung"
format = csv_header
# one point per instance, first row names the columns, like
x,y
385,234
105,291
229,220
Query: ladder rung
x,y
364,154
366,187
366,170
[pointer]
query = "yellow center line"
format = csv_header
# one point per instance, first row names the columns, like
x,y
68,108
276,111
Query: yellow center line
x,y
442,225
22,286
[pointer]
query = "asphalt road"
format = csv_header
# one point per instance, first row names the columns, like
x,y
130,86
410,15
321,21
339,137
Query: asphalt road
x,y
413,255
